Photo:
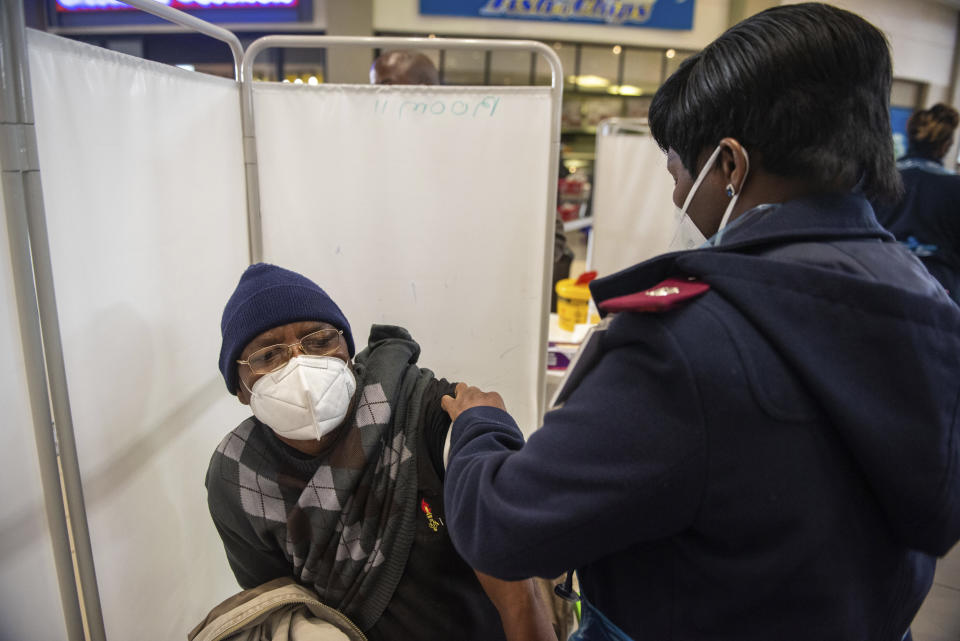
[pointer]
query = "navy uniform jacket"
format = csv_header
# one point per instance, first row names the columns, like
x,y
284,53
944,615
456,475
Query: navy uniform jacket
x,y
776,458
929,213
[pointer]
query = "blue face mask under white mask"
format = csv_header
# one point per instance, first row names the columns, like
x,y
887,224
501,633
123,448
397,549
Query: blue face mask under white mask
x,y
688,235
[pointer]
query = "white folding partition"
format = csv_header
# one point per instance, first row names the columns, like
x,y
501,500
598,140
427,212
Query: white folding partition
x,y
423,207
143,186
633,212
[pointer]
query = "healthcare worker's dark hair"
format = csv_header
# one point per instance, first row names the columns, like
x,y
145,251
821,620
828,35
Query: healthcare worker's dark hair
x,y
805,88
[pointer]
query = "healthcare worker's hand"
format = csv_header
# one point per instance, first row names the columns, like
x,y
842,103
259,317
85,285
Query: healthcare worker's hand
x,y
467,397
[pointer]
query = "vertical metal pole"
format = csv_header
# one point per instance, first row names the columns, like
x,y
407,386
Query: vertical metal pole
x,y
953,95
576,65
621,71
556,111
254,226
40,333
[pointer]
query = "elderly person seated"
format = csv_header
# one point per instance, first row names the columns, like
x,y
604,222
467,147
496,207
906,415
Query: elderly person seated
x,y
337,478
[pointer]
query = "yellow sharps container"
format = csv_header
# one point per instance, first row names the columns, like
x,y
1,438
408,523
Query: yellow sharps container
x,y
573,299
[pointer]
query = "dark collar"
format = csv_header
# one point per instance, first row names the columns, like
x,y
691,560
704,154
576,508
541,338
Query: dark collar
x,y
919,157
813,219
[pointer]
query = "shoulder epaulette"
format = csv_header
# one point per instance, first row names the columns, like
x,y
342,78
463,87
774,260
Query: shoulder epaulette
x,y
659,298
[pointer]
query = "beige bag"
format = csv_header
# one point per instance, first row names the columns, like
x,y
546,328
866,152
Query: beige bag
x,y
280,610
561,611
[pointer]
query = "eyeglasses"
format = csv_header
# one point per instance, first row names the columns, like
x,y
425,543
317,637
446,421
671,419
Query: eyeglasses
x,y
270,359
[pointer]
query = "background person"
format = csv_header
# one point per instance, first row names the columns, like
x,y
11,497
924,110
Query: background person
x,y
336,479
403,67
731,463
927,218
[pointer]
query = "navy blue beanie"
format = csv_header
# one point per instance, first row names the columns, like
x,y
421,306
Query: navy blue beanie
x,y
268,296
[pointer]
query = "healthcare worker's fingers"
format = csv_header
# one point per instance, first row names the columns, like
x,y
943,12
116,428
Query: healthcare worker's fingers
x,y
447,401
467,397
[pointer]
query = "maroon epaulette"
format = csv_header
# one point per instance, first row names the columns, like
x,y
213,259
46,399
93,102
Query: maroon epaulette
x,y
659,298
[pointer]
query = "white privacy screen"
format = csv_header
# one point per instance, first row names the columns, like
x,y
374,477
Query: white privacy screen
x,y
633,212
423,207
27,572
143,185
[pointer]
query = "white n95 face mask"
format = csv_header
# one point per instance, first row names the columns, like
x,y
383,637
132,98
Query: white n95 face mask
x,y
306,399
688,235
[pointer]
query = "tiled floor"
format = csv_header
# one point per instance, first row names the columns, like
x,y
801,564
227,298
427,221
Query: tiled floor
x,y
939,618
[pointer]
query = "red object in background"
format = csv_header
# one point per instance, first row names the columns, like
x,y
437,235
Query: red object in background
x,y
571,185
585,277
568,211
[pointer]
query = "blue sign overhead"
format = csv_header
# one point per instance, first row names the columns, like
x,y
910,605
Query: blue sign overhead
x,y
651,14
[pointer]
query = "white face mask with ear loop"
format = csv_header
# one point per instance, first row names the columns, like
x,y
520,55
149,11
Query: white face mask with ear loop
x,y
306,399
688,235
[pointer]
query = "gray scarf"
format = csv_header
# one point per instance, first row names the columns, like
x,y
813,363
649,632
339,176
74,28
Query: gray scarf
x,y
360,541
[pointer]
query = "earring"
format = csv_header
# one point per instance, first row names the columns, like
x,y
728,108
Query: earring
x,y
730,191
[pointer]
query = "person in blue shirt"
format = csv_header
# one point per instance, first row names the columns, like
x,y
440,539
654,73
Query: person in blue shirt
x,y
761,440
927,218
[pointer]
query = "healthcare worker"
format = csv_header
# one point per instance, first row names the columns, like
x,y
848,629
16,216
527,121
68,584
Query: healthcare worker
x,y
927,218
761,440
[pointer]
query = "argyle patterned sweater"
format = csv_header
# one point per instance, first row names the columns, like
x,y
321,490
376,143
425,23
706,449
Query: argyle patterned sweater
x,y
323,519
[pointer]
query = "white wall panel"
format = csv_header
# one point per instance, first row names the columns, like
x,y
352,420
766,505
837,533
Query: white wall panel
x,y
27,572
422,207
143,187
633,210
922,35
